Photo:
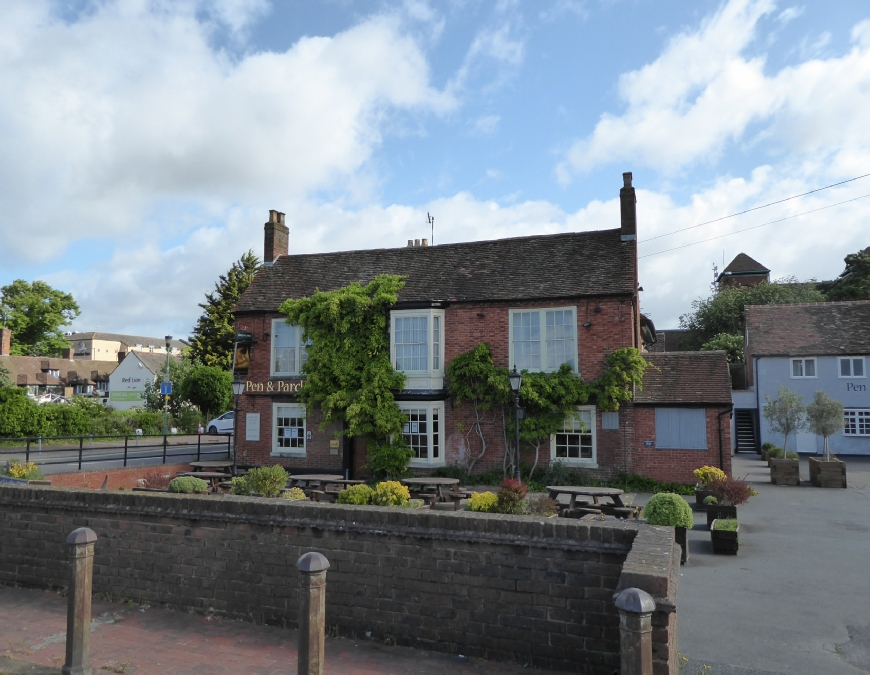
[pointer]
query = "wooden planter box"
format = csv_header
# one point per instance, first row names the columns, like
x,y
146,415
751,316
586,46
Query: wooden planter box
x,y
680,536
715,511
764,455
827,474
785,471
724,541
700,495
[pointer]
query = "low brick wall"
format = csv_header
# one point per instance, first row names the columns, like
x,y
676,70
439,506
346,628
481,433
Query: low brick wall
x,y
126,478
535,590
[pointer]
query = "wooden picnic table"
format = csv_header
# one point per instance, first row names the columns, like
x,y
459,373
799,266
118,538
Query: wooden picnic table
x,y
595,492
432,482
305,480
211,464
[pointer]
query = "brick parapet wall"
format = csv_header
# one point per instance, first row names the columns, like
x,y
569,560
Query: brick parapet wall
x,y
504,587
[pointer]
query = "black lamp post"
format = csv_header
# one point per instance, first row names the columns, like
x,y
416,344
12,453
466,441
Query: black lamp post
x,y
166,395
238,388
516,380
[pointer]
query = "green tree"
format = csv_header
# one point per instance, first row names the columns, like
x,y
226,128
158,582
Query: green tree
x,y
732,345
214,333
5,381
724,311
349,375
785,413
179,371
208,388
855,282
825,417
35,313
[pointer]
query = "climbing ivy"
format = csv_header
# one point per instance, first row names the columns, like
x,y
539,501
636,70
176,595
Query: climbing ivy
x,y
349,375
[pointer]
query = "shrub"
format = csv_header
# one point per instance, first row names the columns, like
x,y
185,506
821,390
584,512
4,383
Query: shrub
x,y
667,508
356,494
511,494
632,482
241,486
767,445
25,471
267,481
727,524
541,505
710,500
775,453
391,493
706,474
157,479
188,485
792,455
487,502
730,491
389,460
293,494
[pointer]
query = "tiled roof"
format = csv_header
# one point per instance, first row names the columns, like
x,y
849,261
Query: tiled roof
x,y
29,370
809,329
129,340
538,267
743,263
686,378
156,363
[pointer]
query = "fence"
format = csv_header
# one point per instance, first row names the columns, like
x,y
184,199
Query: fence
x,y
80,450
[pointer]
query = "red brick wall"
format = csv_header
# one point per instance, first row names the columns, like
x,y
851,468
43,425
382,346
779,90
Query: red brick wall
x,y
677,465
127,478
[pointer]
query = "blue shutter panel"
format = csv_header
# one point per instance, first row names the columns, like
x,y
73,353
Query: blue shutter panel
x,y
681,428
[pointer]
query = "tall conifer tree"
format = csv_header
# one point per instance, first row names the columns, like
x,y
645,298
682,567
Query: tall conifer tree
x,y
212,340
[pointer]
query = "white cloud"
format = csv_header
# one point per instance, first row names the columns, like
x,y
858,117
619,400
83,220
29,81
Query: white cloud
x,y
702,93
129,107
789,14
486,124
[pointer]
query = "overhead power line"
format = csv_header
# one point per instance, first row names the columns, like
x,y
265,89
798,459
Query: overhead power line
x,y
755,208
755,227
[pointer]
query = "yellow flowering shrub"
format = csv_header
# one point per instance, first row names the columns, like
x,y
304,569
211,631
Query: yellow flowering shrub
x,y
24,470
391,493
483,501
293,494
708,474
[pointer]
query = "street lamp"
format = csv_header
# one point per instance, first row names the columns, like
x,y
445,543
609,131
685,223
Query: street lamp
x,y
516,380
165,390
238,389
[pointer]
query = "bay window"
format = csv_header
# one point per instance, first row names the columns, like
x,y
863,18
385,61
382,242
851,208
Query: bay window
x,y
417,347
423,432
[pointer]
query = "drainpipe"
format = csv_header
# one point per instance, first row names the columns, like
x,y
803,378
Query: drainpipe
x,y
719,421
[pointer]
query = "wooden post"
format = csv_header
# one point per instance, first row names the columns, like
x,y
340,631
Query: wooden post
x,y
78,617
312,612
635,631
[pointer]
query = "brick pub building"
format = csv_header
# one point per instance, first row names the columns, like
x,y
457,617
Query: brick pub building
x,y
538,302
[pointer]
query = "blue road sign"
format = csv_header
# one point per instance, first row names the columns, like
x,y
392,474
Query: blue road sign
x,y
166,388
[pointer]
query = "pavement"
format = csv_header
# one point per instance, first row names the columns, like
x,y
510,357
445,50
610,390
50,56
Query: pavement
x,y
128,638
795,597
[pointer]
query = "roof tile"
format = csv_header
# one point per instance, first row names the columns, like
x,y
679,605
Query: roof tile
x,y
687,378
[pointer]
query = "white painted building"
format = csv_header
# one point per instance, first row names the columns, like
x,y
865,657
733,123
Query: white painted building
x,y
127,382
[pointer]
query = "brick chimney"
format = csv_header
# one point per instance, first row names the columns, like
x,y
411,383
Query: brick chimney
x,y
5,341
277,238
68,354
628,209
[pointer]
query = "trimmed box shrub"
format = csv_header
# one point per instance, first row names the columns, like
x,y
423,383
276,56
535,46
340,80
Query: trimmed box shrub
x,y
188,485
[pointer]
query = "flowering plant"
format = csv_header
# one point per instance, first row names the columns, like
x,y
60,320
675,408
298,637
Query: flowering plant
x,y
707,474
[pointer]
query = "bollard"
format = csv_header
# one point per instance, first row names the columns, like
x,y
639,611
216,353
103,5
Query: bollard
x,y
635,631
312,612
78,617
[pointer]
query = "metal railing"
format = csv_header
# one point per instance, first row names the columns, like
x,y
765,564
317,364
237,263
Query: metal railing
x,y
79,450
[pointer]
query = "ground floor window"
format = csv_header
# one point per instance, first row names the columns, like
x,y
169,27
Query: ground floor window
x,y
423,432
681,428
575,443
857,423
288,433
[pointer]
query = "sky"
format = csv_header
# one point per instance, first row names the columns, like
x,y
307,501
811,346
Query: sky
x,y
142,143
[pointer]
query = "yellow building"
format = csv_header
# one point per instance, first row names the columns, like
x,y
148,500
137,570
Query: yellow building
x,y
114,346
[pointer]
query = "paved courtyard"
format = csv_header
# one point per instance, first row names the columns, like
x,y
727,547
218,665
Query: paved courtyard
x,y
795,598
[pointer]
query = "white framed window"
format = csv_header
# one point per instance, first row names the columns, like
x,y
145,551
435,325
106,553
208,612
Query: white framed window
x,y
857,422
681,428
417,346
543,339
852,366
575,443
288,350
423,432
801,368
288,429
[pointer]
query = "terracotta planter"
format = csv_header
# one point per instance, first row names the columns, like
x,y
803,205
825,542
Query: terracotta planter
x,y
680,537
724,541
700,495
715,511
785,471
830,474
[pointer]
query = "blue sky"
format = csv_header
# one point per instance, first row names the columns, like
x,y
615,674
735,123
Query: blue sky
x,y
144,142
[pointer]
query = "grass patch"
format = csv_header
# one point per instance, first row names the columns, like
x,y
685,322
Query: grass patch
x,y
727,524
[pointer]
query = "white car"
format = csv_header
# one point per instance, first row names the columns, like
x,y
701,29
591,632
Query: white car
x,y
222,424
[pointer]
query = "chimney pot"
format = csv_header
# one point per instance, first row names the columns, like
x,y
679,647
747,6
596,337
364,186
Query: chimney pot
x,y
276,241
626,179
416,242
425,242
410,243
